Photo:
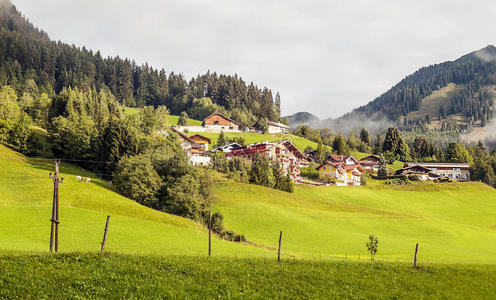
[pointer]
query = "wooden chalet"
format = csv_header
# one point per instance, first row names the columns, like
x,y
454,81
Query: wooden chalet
x,y
202,141
423,173
218,121
455,171
370,163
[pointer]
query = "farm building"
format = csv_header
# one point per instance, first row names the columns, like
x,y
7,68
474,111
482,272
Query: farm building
x,y
421,172
283,151
455,171
219,122
341,170
370,163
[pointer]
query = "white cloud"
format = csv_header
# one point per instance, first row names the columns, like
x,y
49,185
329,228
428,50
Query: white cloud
x,y
325,57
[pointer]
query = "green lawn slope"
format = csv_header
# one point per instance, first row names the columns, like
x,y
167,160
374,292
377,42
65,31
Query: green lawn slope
x,y
25,210
87,276
453,223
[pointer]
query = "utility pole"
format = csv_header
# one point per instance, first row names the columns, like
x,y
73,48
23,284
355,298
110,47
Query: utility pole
x,y
209,227
54,230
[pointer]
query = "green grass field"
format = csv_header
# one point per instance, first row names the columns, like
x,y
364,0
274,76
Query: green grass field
x,y
25,210
453,223
155,255
83,276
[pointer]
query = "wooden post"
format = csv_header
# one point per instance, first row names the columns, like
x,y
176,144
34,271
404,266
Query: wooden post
x,y
415,257
105,235
279,251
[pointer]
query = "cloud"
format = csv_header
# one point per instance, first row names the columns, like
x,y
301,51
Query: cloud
x,y
325,57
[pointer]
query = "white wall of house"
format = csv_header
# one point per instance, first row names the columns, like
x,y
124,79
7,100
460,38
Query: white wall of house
x,y
199,160
276,129
208,128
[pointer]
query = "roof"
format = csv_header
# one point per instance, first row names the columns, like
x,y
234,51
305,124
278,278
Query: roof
x,y
182,135
340,158
341,165
266,145
276,124
230,120
232,145
204,137
424,169
438,165
370,156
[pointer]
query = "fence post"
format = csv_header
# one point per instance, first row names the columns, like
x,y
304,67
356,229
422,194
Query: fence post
x,y
279,251
105,234
415,257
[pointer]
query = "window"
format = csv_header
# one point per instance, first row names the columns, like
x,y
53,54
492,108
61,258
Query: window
x,y
323,168
456,169
216,122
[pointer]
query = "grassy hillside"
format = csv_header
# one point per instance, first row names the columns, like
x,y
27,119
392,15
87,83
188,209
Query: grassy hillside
x,y
124,277
172,118
25,210
453,223
251,137
173,121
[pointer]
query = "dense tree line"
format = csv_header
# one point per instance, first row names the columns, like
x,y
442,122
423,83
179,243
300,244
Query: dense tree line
x,y
27,54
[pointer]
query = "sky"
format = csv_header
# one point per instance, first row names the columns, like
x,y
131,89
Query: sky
x,y
326,57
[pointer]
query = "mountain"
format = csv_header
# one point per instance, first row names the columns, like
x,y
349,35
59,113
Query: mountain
x,y
304,118
31,61
454,95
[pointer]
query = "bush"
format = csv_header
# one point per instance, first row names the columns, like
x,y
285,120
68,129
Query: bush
x,y
309,173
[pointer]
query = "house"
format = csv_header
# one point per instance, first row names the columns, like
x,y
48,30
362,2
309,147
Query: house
x,y
341,170
455,171
227,148
186,142
272,127
283,151
421,172
275,127
219,122
370,163
201,140
342,159
196,151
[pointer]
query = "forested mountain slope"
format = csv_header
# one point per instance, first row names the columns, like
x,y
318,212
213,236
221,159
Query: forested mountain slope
x,y
472,100
27,54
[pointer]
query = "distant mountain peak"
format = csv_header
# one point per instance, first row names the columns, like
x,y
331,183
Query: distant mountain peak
x,y
485,54
302,117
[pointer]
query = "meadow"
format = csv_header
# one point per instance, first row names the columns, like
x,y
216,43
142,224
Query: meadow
x,y
25,210
150,254
453,222
117,276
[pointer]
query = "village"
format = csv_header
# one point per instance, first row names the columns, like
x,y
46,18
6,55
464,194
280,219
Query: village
x,y
338,170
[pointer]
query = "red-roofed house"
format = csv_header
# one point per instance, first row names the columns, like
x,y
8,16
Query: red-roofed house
x,y
283,151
